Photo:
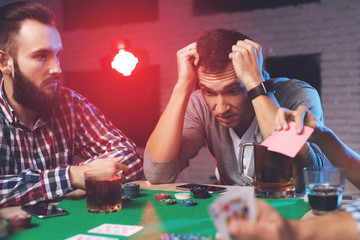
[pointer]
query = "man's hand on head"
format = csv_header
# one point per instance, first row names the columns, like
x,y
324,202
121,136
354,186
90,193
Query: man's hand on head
x,y
187,60
76,173
247,60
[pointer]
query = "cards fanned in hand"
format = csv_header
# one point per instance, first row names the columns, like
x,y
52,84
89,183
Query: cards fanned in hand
x,y
238,203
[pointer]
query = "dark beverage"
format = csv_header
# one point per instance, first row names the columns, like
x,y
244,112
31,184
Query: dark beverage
x,y
103,196
273,174
324,198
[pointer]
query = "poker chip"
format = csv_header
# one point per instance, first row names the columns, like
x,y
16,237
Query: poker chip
x,y
125,198
131,185
131,190
160,196
200,192
182,196
20,222
191,236
167,201
187,203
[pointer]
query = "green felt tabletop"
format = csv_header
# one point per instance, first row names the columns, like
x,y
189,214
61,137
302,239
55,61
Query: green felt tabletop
x,y
144,211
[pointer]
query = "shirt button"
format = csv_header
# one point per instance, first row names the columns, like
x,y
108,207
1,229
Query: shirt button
x,y
244,167
58,192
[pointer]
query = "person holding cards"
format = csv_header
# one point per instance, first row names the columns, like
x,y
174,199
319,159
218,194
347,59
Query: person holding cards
x,y
338,153
43,125
345,224
235,100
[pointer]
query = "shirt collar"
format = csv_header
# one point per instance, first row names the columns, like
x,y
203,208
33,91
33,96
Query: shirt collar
x,y
248,136
6,109
265,75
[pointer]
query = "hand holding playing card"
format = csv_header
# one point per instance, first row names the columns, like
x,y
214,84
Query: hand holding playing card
x,y
287,142
269,224
238,203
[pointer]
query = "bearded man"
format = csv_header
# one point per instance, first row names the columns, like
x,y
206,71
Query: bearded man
x,y
43,126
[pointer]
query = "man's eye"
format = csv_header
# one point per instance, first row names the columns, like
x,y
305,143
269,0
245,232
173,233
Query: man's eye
x,y
207,92
41,56
234,91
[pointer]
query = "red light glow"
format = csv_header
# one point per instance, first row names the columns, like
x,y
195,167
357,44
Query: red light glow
x,y
124,62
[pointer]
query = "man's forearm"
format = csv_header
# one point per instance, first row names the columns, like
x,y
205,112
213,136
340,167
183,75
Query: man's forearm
x,y
340,155
165,141
265,109
337,225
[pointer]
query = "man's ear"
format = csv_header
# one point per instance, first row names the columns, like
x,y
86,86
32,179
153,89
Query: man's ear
x,y
5,63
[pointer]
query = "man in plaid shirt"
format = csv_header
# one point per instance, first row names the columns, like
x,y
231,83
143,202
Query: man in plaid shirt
x,y
43,126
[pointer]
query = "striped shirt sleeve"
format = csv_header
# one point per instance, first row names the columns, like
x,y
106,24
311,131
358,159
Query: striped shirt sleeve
x,y
354,209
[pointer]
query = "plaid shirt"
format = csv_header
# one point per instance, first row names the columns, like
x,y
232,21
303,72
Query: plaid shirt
x,y
35,163
354,209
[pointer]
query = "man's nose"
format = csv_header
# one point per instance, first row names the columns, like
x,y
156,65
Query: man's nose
x,y
55,66
222,105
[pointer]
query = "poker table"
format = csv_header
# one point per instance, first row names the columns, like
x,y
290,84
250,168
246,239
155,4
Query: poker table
x,y
142,211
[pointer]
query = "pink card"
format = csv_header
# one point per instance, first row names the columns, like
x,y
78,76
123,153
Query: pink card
x,y
287,142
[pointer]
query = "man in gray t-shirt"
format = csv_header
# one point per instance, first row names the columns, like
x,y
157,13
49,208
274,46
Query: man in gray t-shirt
x,y
235,101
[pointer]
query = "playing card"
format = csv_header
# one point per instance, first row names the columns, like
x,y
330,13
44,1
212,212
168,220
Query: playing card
x,y
116,229
287,142
89,237
238,203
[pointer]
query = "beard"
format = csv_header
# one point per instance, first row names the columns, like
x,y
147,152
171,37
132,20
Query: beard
x,y
31,96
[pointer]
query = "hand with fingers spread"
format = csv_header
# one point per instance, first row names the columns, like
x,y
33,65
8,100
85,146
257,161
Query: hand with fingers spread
x,y
247,60
302,116
77,172
187,59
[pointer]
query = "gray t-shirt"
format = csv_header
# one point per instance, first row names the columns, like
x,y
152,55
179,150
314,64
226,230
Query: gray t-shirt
x,y
201,128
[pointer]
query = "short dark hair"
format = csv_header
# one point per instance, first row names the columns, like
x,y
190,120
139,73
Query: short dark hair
x,y
214,47
13,15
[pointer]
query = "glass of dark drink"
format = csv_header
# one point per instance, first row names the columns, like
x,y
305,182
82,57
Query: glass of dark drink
x,y
324,188
103,191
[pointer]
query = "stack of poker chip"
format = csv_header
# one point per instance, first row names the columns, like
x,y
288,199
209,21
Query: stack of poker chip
x,y
167,201
20,222
161,196
182,196
187,203
131,190
200,192
164,199
125,198
191,236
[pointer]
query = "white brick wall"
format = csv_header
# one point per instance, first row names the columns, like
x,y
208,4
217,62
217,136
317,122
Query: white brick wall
x,y
330,28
